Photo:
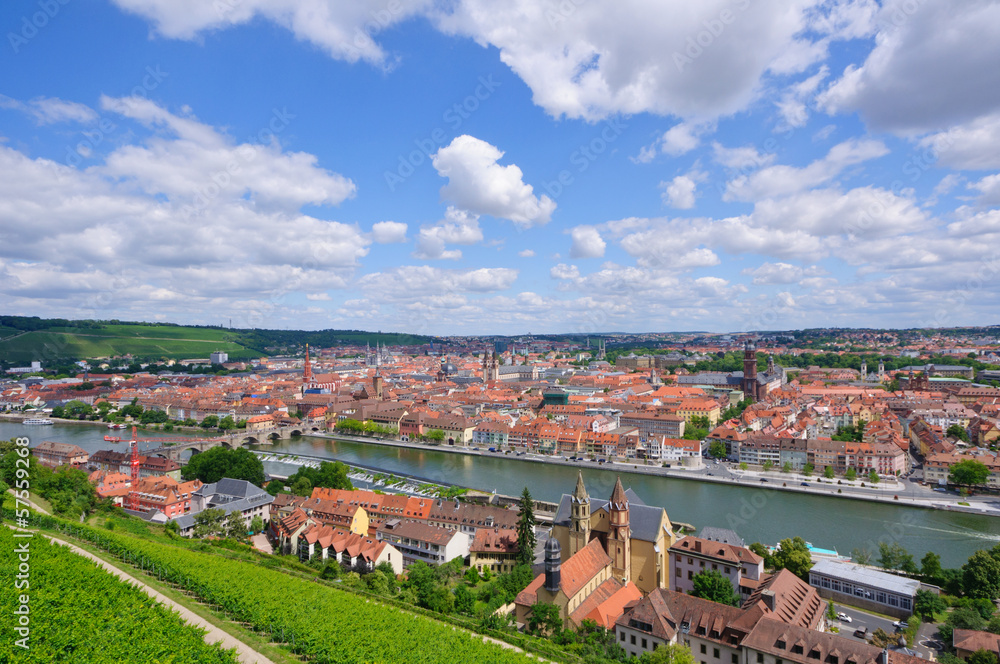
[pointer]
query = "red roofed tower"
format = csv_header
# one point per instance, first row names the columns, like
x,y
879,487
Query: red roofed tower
x,y
307,370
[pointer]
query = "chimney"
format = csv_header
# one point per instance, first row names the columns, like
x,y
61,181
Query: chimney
x,y
769,598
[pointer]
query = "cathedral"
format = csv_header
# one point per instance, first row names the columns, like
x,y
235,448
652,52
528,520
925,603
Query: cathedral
x,y
600,556
634,535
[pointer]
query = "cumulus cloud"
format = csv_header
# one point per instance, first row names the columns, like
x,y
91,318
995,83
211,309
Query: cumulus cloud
x,y
933,66
792,106
679,193
526,253
172,231
781,273
564,271
476,182
344,30
781,180
49,110
589,63
989,190
457,227
587,243
679,139
389,232
974,145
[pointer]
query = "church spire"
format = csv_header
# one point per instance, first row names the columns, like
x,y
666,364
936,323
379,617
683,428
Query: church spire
x,y
580,493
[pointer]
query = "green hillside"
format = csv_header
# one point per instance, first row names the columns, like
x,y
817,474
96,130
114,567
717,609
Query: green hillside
x,y
26,339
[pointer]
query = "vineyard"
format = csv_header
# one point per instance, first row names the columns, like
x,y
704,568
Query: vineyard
x,y
320,623
81,613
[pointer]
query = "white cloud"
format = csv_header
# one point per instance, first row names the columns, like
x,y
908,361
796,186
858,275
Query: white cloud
x,y
457,227
49,110
782,180
974,145
781,273
793,103
412,283
679,139
680,192
193,164
476,182
933,65
582,61
745,158
526,253
345,30
318,297
152,240
389,232
587,243
989,190
564,271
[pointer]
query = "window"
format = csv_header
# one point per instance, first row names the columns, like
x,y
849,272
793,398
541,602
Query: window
x,y
677,572
633,639
715,653
690,575
703,649
644,645
760,658
622,634
714,566
736,659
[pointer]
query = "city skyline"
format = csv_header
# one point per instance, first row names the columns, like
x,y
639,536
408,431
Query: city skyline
x,y
444,168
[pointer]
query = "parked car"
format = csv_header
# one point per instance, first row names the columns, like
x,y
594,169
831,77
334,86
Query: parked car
x,y
763,479
805,483
861,632
900,624
843,617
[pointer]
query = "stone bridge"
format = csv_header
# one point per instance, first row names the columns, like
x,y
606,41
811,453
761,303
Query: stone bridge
x,y
231,440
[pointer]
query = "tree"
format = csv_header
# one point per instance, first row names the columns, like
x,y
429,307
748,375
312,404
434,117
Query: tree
x,y
227,423
873,477
218,462
762,551
851,474
302,487
209,522
969,473
210,422
994,624
526,530
861,556
377,582
828,472
982,656
671,653
831,612
711,585
768,465
894,556
808,469
793,555
329,475
981,576
927,604
257,524
464,600
544,620
717,449
743,465
236,526
787,468
437,435
930,567
958,431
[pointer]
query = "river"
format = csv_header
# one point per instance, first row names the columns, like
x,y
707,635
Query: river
x,y
756,514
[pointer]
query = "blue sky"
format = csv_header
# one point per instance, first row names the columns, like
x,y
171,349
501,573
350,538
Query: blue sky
x,y
474,167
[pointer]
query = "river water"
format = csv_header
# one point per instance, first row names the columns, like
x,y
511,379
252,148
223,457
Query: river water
x,y
756,514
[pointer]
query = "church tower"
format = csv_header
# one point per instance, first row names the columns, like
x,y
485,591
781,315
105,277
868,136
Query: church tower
x,y
307,371
881,371
553,563
749,370
619,535
864,371
579,532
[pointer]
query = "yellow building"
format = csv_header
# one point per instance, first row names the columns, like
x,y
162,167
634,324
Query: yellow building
x,y
634,535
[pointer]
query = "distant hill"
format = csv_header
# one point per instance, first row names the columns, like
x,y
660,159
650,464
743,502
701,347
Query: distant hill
x,y
53,340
